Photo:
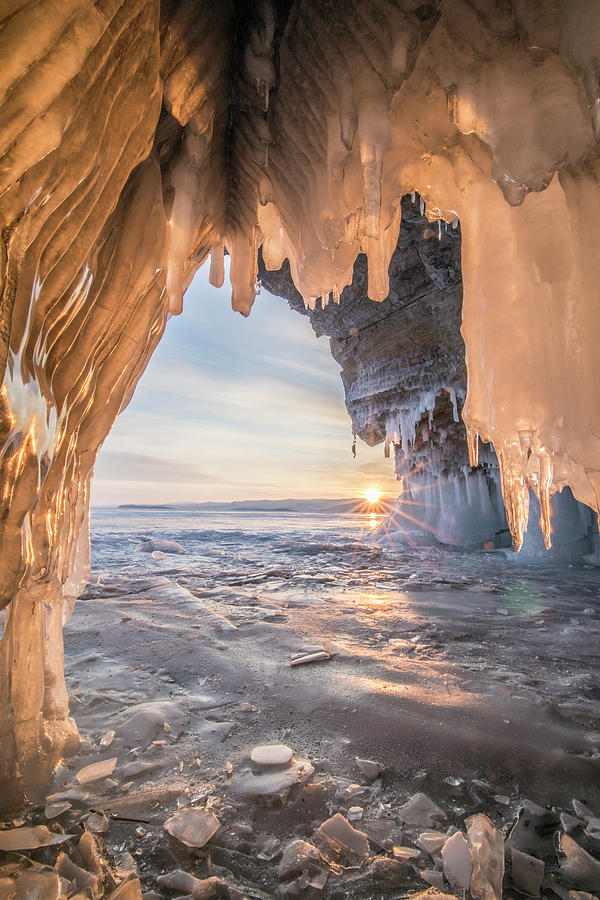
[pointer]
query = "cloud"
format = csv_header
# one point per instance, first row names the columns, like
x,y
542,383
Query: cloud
x,y
231,408
123,465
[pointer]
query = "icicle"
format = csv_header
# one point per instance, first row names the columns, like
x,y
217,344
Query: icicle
x,y
455,223
525,441
440,236
421,206
336,294
466,475
473,446
515,493
324,300
350,229
372,165
243,271
413,196
454,405
386,450
545,484
216,275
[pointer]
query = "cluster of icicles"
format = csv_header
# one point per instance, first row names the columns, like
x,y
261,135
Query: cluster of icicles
x,y
492,117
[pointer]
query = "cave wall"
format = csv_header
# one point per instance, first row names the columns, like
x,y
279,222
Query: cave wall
x,y
139,137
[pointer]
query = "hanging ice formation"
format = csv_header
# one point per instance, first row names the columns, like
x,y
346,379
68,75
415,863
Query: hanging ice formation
x,y
139,137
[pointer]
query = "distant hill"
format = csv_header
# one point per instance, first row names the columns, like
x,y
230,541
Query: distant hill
x,y
292,505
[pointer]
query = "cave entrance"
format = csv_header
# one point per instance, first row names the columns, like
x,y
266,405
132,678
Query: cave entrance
x,y
382,665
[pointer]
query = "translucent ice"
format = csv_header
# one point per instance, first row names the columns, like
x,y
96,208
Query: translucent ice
x,y
338,839
193,827
29,838
486,845
421,810
457,861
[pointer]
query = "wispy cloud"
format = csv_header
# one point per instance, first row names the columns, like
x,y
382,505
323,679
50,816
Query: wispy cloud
x,y
231,408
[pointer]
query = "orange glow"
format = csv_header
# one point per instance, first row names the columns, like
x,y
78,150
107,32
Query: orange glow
x,y
372,495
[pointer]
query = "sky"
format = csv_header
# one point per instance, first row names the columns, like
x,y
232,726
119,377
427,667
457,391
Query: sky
x,y
237,409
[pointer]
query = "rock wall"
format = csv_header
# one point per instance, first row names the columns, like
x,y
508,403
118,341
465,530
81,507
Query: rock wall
x,y
405,381
403,370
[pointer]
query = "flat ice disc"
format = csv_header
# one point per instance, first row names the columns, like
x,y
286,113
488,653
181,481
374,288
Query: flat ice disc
x,y
271,755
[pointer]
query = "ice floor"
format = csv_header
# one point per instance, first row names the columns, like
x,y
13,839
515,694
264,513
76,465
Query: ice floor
x,y
470,678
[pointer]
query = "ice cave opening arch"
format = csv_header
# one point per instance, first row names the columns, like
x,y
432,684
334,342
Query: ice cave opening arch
x,y
140,137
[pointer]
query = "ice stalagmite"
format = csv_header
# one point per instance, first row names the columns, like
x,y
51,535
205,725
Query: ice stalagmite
x,y
137,138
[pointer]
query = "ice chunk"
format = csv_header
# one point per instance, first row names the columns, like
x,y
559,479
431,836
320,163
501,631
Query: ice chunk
x,y
320,656
30,838
96,771
37,883
90,853
297,858
268,755
271,783
390,872
432,842
457,861
581,810
405,853
75,795
355,813
135,769
193,827
162,546
527,872
569,823
127,890
107,739
434,878
534,830
53,810
421,810
578,869
268,847
337,839
184,883
79,878
487,854
97,823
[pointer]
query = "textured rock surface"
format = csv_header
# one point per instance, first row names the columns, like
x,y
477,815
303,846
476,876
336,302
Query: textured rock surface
x,y
404,376
402,359
138,137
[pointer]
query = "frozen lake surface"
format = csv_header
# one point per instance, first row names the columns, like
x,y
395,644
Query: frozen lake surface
x,y
470,677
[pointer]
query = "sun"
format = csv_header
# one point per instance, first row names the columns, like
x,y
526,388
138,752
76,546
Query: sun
x,y
372,495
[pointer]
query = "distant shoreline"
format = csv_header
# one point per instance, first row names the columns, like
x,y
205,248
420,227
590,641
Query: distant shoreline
x,y
350,504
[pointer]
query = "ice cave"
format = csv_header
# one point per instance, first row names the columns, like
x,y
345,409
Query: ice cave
x,y
422,181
